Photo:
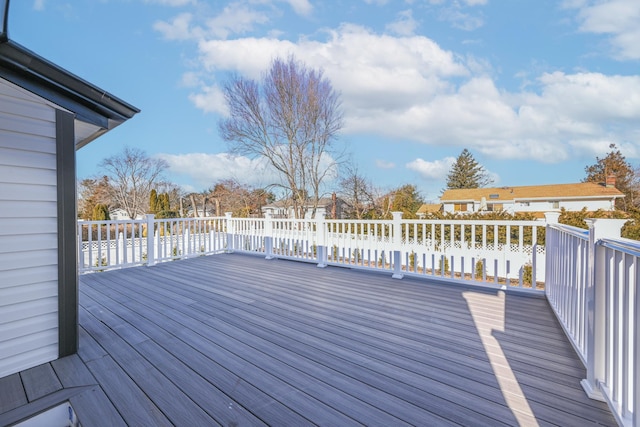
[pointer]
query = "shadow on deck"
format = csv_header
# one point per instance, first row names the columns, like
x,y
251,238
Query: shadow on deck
x,y
239,340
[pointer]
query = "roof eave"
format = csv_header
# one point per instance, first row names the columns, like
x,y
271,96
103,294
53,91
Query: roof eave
x,y
90,104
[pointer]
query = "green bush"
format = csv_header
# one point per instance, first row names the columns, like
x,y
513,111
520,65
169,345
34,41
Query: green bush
x,y
446,265
479,269
527,274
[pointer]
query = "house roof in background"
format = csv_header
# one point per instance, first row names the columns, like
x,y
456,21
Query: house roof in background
x,y
96,111
429,208
583,190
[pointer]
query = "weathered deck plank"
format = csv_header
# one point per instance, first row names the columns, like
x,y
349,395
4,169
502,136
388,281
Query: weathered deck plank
x,y
239,340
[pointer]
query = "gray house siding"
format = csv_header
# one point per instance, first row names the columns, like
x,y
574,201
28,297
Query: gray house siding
x,y
28,231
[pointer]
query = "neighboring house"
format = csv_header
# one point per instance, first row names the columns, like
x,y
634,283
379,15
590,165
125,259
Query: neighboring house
x,y
428,208
533,199
120,214
332,207
46,114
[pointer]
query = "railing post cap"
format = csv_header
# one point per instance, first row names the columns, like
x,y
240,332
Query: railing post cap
x,y
396,215
552,217
228,214
605,227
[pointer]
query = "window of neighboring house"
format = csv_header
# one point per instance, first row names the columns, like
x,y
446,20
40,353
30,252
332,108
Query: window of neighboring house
x,y
495,207
460,207
555,204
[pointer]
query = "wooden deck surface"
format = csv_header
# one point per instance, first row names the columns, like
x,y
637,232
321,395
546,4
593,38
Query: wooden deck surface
x,y
236,340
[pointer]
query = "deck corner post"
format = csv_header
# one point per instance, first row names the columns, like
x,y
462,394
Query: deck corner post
x,y
230,232
599,228
268,235
151,253
396,239
321,240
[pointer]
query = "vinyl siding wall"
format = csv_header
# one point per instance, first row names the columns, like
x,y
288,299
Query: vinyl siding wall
x,y
28,231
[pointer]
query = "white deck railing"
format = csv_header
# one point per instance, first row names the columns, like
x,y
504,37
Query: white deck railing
x,y
495,253
592,285
104,245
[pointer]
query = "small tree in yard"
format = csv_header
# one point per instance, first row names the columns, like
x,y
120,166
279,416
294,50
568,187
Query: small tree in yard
x,y
153,202
291,118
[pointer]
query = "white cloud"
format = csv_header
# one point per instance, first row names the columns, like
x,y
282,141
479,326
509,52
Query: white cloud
x,y
235,18
409,88
436,170
617,18
210,100
39,5
207,169
301,7
383,164
404,25
179,28
461,20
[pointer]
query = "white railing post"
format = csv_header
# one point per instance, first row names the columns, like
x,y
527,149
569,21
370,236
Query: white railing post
x,y
230,231
151,256
268,235
321,239
550,218
396,244
596,303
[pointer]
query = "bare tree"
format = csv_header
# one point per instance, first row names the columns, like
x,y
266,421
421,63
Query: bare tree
x,y
132,174
292,118
357,191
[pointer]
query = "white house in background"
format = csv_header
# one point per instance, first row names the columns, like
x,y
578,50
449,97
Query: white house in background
x,y
332,207
46,114
120,214
535,198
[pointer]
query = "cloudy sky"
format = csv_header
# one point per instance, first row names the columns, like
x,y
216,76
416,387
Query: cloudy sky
x,y
535,89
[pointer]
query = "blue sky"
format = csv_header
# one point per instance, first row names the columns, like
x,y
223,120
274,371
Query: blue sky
x,y
535,89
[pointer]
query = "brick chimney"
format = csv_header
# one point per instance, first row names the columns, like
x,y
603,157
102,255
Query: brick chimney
x,y
610,181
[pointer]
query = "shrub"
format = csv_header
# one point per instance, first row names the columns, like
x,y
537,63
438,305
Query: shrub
x,y
527,274
446,264
480,269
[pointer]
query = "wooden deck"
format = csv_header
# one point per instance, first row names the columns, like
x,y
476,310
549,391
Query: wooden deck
x,y
237,340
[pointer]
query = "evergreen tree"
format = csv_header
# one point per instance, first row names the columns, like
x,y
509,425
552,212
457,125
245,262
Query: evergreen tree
x,y
153,202
100,213
616,165
406,199
163,202
466,172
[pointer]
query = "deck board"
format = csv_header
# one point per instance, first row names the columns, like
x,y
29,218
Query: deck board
x,y
239,340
